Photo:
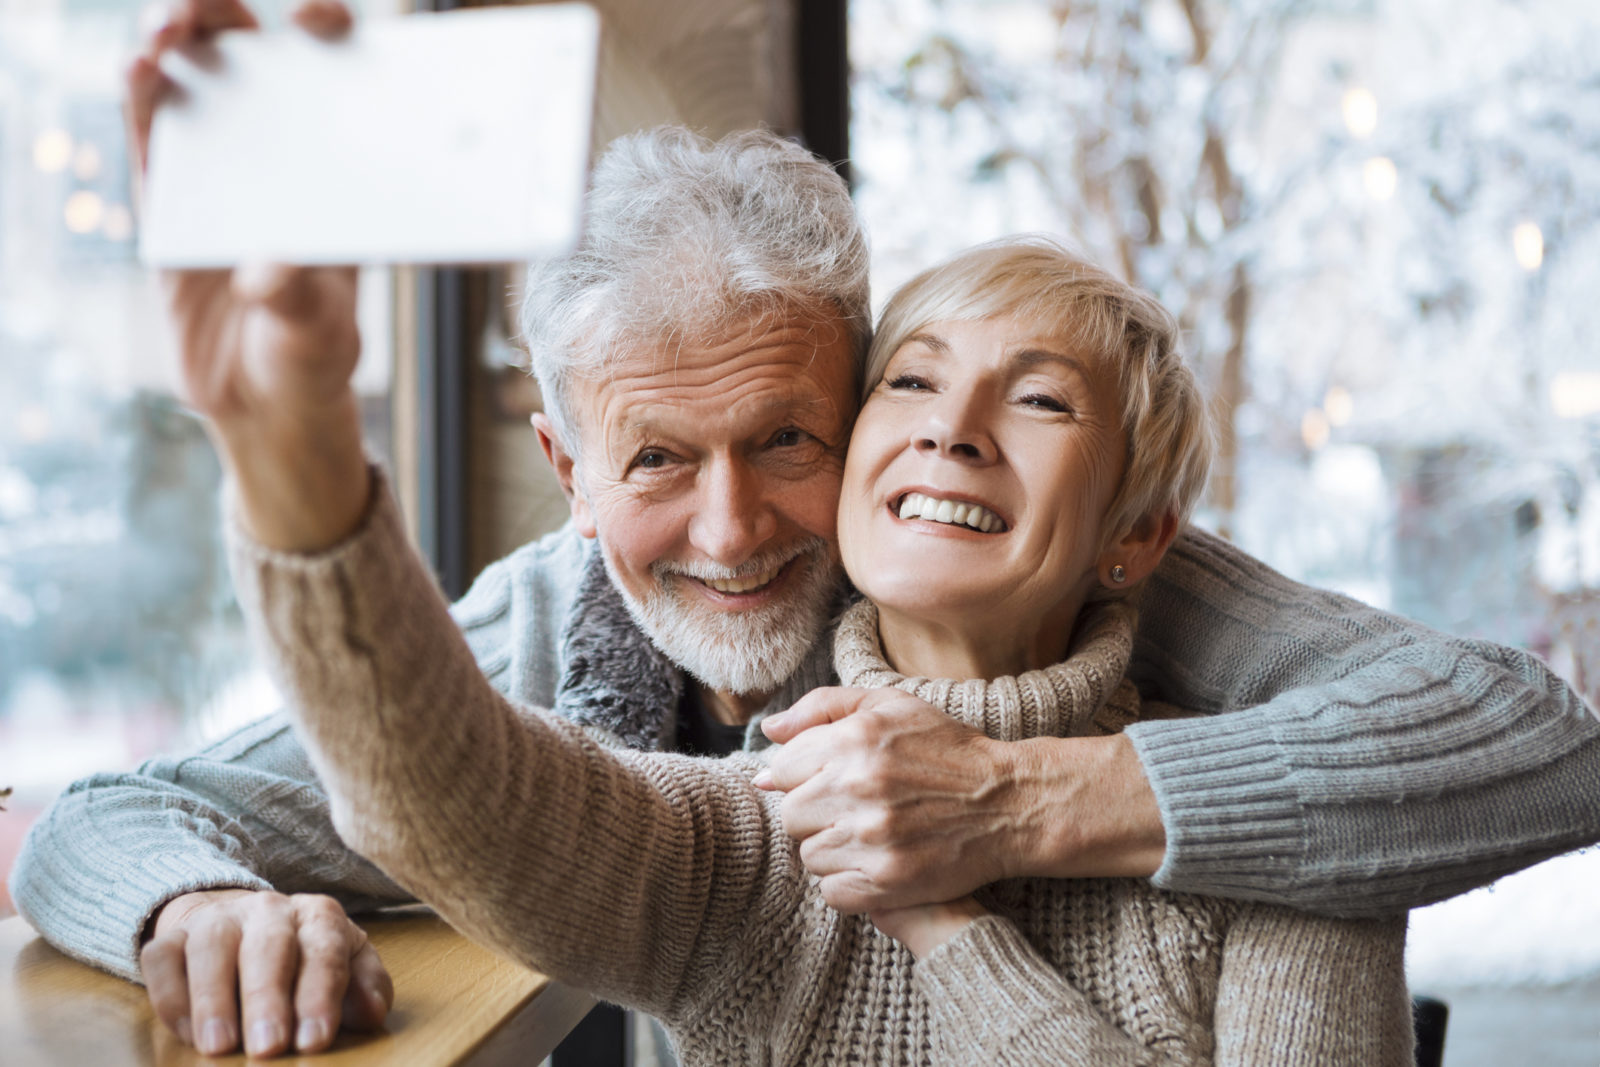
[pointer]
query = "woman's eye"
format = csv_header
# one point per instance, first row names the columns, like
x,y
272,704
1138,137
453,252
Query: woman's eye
x,y
1045,401
907,381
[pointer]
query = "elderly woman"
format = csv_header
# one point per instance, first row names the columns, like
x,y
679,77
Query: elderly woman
x,y
1029,445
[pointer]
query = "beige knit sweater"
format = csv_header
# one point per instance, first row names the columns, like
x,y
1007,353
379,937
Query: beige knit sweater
x,y
666,883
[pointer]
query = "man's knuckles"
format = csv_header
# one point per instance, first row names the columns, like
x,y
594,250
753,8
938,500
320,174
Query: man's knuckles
x,y
162,956
214,927
318,907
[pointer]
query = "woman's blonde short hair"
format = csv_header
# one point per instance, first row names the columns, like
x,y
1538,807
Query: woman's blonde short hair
x,y
1164,415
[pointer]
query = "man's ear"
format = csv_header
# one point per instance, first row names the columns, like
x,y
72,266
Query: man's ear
x,y
1138,551
566,473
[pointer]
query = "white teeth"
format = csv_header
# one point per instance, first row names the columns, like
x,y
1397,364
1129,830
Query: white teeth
x,y
922,506
742,585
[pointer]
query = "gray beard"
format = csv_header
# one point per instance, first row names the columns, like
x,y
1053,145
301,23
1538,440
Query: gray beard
x,y
745,652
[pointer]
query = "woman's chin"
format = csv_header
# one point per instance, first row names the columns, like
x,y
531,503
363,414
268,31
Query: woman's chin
x,y
920,595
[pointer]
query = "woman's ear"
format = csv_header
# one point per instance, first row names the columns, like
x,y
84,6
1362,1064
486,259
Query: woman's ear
x,y
1134,556
566,472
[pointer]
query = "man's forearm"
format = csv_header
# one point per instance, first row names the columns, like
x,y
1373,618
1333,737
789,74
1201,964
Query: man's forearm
x,y
1354,762
1355,812
1083,808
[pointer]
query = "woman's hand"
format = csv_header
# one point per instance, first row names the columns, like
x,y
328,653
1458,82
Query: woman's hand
x,y
266,352
924,927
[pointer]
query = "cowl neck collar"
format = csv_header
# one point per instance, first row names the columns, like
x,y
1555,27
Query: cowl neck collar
x,y
1086,693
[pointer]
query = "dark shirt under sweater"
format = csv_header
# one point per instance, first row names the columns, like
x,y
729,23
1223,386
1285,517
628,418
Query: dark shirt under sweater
x,y
701,735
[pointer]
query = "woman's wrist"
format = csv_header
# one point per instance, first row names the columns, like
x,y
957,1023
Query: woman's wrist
x,y
302,485
922,928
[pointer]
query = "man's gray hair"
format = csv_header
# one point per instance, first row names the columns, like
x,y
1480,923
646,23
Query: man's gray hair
x,y
683,238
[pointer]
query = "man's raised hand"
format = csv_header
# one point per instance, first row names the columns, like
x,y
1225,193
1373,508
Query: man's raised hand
x,y
277,972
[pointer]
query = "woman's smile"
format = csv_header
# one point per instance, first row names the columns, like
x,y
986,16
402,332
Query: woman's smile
x,y
932,506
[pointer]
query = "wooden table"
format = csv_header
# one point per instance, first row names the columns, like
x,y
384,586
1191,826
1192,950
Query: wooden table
x,y
455,1003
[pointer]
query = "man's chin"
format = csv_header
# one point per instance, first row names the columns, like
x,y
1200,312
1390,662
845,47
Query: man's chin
x,y
734,653
748,652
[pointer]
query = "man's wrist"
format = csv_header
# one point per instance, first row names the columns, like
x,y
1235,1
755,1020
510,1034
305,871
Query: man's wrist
x,y
1085,810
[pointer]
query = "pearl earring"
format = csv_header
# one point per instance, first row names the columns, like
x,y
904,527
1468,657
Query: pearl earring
x,y
1119,573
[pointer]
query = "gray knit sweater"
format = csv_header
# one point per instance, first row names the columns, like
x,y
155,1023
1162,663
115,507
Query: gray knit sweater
x,y
667,883
1352,762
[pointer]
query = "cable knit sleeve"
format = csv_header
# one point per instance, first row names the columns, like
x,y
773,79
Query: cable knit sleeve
x,y
629,874
1303,990
993,999
1351,762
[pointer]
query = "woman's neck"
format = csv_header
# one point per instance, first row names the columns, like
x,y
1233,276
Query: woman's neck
x,y
971,648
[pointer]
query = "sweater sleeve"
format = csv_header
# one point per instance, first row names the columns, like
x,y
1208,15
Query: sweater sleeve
x,y
244,812
1351,762
992,998
633,875
1301,989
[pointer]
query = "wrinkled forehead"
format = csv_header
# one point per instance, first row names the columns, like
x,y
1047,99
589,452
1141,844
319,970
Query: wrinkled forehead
x,y
795,363
760,361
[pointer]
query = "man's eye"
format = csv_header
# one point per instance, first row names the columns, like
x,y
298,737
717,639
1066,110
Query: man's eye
x,y
788,438
650,460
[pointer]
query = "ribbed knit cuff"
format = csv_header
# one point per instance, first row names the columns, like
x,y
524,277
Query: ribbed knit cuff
x,y
1234,822
990,980
103,925
244,549
993,999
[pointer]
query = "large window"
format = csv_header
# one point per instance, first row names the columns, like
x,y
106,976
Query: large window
x,y
118,635
1379,224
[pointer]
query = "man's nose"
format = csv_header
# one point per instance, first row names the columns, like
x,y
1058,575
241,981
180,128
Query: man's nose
x,y
733,518
956,428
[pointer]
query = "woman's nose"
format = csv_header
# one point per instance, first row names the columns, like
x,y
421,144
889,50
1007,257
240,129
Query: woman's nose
x,y
955,430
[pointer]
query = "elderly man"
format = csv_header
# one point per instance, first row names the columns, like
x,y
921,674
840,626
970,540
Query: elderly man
x,y
699,357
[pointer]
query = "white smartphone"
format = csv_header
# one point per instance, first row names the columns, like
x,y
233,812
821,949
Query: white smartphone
x,y
432,138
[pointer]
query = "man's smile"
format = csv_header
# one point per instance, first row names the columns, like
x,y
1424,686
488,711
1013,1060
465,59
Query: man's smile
x,y
745,585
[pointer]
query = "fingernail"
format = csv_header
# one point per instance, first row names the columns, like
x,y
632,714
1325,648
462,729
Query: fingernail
x,y
762,780
216,1036
311,1032
185,1031
265,1036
